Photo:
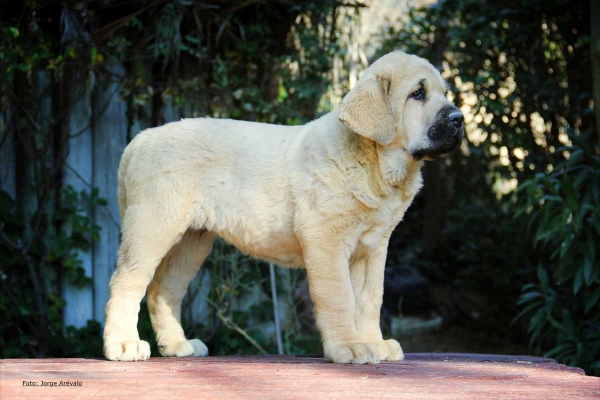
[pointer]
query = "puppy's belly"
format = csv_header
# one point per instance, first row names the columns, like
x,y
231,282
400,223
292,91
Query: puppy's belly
x,y
279,248
264,232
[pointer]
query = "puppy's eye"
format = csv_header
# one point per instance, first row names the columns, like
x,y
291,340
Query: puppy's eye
x,y
418,94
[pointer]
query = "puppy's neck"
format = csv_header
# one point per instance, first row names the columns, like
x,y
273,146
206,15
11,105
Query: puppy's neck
x,y
384,169
396,164
390,166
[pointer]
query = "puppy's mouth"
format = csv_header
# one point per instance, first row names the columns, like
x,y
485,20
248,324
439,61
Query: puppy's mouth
x,y
443,136
432,153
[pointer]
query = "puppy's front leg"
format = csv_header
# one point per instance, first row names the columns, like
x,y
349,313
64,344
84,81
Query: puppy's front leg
x,y
367,272
331,291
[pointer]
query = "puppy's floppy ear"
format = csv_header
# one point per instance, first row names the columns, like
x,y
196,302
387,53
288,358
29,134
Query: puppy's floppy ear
x,y
367,110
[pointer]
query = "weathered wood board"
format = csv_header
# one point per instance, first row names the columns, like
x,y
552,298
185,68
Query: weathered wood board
x,y
420,376
78,173
109,141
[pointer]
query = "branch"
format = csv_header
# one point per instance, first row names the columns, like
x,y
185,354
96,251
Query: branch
x,y
104,208
240,5
39,217
115,25
95,118
353,5
232,325
17,303
23,252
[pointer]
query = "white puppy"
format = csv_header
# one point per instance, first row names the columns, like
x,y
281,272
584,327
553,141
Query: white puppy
x,y
324,196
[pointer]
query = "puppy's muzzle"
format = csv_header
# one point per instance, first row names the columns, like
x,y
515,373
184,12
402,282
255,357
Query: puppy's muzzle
x,y
444,135
447,130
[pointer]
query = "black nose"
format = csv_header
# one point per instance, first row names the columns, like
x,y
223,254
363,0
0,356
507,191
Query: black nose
x,y
456,118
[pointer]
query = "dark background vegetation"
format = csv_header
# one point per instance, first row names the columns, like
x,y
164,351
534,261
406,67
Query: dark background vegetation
x,y
505,230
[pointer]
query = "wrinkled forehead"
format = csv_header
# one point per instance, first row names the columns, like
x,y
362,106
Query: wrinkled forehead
x,y
419,72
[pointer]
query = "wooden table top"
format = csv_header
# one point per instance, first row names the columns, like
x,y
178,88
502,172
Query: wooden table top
x,y
420,376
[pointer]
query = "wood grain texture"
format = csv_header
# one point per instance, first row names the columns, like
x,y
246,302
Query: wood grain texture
x,y
78,173
109,141
420,376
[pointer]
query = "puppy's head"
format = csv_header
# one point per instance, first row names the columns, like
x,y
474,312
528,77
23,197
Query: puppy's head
x,y
401,99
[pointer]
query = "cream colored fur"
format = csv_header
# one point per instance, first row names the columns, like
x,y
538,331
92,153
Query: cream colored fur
x,y
324,196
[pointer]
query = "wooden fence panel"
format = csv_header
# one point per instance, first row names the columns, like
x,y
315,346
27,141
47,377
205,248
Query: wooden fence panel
x,y
171,112
109,141
99,128
79,174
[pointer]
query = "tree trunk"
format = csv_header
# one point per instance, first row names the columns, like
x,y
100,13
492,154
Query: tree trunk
x,y
595,50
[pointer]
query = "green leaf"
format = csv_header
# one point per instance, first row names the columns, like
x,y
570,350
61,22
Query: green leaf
x,y
591,247
587,269
563,348
571,196
536,321
581,178
591,301
595,273
569,323
282,94
524,185
566,244
527,297
556,324
527,310
579,350
549,197
544,234
577,281
543,278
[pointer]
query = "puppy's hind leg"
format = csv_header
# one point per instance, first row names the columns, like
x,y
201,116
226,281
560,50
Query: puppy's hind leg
x,y
148,233
167,289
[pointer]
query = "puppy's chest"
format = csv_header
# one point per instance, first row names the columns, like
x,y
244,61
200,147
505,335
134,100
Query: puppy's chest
x,y
379,223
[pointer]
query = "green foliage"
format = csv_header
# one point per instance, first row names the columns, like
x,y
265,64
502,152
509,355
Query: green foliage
x,y
240,306
519,70
521,73
31,275
83,342
515,62
563,305
77,233
219,59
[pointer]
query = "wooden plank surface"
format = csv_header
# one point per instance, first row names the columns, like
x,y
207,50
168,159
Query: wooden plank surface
x,y
420,376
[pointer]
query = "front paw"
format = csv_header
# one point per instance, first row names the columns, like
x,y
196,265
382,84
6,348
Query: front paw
x,y
390,350
387,350
351,352
126,350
